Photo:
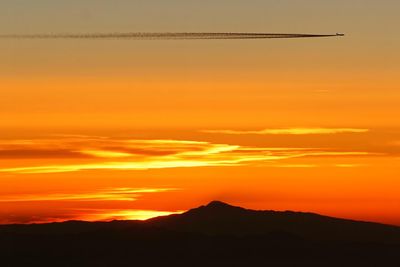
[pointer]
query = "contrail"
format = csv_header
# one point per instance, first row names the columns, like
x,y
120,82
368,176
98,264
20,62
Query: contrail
x,y
167,36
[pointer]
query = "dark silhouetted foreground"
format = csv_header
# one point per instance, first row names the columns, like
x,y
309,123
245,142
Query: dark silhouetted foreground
x,y
214,235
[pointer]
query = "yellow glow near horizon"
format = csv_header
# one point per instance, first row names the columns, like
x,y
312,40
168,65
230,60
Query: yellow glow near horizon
x,y
140,215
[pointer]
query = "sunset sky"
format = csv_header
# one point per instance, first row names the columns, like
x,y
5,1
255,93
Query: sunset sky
x,y
132,129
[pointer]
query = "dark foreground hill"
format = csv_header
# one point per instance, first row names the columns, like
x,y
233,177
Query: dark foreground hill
x,y
214,235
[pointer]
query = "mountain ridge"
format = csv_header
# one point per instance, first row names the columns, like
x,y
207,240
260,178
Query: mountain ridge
x,y
216,234
221,218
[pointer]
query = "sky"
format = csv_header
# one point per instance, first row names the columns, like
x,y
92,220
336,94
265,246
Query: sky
x,y
132,129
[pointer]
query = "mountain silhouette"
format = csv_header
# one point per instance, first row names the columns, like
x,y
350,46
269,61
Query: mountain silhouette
x,y
216,234
221,218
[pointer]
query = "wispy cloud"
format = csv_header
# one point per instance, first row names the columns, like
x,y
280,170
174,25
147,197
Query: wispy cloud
x,y
290,131
114,194
349,165
91,153
106,154
299,166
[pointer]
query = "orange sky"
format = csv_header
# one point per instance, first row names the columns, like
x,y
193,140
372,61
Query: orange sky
x,y
107,129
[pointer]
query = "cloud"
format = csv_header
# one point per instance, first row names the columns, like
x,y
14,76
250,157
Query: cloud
x,y
114,194
348,165
27,153
291,131
91,153
106,154
296,166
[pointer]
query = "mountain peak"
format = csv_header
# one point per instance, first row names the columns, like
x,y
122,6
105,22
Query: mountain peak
x,y
218,204
217,208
